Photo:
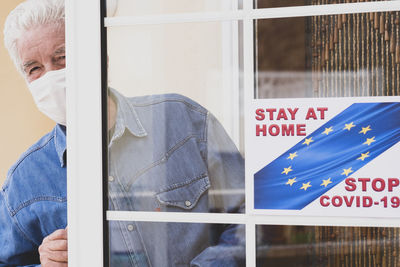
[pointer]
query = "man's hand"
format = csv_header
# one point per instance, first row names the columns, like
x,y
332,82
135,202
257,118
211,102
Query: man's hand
x,y
54,249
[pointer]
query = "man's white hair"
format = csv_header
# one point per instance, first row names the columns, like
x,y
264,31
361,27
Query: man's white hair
x,y
29,15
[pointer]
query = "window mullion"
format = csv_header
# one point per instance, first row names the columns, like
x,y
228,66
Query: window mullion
x,y
84,140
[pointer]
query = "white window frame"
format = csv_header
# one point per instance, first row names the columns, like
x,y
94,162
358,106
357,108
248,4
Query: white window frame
x,y
84,143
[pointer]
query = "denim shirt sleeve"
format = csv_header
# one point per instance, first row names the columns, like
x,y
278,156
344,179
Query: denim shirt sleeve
x,y
15,249
225,168
226,172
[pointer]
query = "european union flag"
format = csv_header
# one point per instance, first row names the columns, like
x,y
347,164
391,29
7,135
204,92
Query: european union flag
x,y
327,156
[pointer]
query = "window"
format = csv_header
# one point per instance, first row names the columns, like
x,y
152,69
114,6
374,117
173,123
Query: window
x,y
216,54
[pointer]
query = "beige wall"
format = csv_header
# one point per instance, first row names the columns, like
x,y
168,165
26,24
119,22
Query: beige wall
x,y
21,123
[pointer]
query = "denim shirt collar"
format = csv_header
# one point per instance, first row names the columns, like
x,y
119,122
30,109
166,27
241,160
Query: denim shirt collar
x,y
60,143
126,117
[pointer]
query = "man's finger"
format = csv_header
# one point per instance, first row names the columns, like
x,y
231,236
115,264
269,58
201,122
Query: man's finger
x,y
57,245
58,256
58,234
50,263
54,249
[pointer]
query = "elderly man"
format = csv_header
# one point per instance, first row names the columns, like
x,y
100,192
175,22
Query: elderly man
x,y
177,165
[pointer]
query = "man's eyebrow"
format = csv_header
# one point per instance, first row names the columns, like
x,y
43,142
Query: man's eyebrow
x,y
60,50
28,64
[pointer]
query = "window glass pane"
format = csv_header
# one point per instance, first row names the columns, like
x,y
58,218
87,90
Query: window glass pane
x,y
176,244
328,56
174,137
160,7
284,3
327,246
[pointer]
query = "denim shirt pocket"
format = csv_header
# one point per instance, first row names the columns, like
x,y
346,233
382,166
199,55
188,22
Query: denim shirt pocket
x,y
184,195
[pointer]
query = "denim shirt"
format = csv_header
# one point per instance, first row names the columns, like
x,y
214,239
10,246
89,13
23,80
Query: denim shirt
x,y
167,153
33,200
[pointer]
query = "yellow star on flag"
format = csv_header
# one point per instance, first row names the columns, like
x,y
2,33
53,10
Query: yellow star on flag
x,y
308,141
349,126
347,171
328,130
287,170
365,129
363,156
292,155
369,141
291,181
305,186
326,182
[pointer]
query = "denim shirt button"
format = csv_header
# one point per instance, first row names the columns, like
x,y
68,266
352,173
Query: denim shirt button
x,y
188,203
131,227
110,179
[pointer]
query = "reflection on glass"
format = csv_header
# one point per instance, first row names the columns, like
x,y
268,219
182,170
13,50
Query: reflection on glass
x,y
161,7
176,244
171,139
329,56
167,153
196,60
285,3
327,246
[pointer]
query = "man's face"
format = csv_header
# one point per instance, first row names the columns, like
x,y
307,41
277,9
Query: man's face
x,y
41,50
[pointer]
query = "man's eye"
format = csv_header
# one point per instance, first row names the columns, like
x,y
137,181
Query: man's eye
x,y
32,70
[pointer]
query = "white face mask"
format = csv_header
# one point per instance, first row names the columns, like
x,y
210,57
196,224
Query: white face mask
x,y
49,94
